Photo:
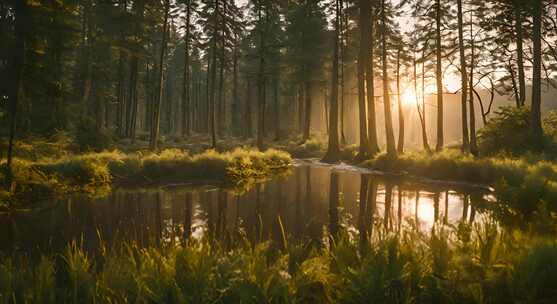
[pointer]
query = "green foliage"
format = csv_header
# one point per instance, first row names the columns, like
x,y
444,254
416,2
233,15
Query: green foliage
x,y
455,265
508,132
95,172
525,184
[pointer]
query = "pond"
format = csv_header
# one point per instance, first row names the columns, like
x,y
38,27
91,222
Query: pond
x,y
306,204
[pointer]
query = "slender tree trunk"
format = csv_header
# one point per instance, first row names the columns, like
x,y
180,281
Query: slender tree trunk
x,y
370,90
464,81
17,65
301,108
236,99
425,141
439,75
391,149
277,106
221,111
535,121
364,22
155,126
473,142
333,150
248,118
261,81
212,123
342,53
186,84
400,146
520,52
307,112
514,85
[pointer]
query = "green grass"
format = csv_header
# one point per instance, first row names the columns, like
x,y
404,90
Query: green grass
x,y
477,263
527,184
93,172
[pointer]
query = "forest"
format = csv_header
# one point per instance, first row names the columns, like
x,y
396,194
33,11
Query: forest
x,y
278,151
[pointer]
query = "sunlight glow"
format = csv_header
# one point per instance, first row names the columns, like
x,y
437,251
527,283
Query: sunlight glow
x,y
408,98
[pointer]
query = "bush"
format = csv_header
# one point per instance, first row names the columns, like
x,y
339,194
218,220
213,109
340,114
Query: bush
x,y
87,137
507,131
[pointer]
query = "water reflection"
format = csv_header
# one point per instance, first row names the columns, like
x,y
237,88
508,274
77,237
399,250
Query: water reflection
x,y
312,203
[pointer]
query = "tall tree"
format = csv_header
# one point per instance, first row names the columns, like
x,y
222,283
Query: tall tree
x,y
333,149
364,150
155,126
389,134
535,120
463,78
439,74
17,63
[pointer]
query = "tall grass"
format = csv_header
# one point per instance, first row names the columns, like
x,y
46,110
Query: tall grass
x,y
93,171
448,265
527,183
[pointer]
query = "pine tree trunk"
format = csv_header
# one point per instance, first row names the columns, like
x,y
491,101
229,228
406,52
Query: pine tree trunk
x,y
464,81
370,87
277,107
17,64
425,141
391,149
473,142
364,22
155,126
307,116
520,53
212,92
333,150
439,76
400,146
248,116
186,84
535,121
342,79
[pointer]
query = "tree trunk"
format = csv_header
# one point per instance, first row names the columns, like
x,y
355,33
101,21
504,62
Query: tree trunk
x,y
473,142
307,118
425,141
439,75
236,99
463,81
261,81
186,84
400,146
342,53
248,118
364,20
333,150
520,53
155,126
391,149
370,87
213,79
535,121
17,62
277,106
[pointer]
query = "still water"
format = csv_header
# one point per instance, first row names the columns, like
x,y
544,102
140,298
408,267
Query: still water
x,y
307,204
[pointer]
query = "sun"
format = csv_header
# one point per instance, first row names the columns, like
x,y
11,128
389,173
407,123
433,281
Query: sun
x,y
408,97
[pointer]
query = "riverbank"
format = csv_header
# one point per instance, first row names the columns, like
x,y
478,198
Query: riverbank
x,y
94,172
528,184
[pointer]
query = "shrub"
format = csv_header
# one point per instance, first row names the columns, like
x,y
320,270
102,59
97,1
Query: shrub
x,y
88,137
508,132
